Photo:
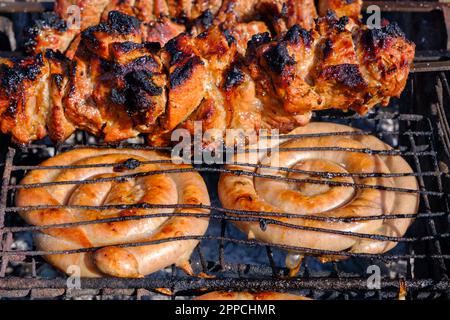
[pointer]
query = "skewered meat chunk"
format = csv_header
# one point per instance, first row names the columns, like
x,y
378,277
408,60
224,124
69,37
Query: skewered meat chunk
x,y
31,97
109,71
58,126
48,32
118,85
338,65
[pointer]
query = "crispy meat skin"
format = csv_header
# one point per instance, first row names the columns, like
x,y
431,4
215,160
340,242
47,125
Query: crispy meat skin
x,y
168,18
118,85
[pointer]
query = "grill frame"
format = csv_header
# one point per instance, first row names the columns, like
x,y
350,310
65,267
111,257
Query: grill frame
x,y
339,285
180,284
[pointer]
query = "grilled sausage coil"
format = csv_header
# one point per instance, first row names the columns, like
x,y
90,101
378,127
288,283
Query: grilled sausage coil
x,y
98,185
338,200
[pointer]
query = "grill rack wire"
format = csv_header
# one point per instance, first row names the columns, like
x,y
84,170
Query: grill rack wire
x,y
422,140
416,125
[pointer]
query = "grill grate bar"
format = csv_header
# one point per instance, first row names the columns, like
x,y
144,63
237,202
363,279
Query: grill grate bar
x,y
232,212
434,66
305,250
6,244
319,283
245,164
243,219
222,170
430,222
415,136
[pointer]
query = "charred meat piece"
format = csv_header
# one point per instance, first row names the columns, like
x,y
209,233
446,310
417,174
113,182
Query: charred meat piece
x,y
24,98
31,98
58,126
48,32
119,28
140,84
337,65
188,79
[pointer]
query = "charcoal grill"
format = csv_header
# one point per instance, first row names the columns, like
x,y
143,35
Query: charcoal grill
x,y
417,126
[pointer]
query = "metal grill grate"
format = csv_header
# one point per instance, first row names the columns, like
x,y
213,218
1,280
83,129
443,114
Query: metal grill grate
x,y
420,262
417,126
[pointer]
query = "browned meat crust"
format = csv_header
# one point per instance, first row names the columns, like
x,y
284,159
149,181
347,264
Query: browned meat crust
x,y
118,85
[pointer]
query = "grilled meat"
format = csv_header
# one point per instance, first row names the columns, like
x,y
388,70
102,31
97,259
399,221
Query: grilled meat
x,y
48,32
31,97
118,85
169,18
337,64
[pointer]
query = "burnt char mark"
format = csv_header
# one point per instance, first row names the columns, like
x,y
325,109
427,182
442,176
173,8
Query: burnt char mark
x,y
330,16
136,96
206,19
347,75
118,22
182,73
284,10
127,46
118,96
105,65
138,102
202,35
333,22
89,33
277,58
175,50
143,80
73,69
373,39
13,77
341,23
144,62
55,55
12,107
296,33
259,39
229,37
58,79
327,48
233,77
227,33
129,164
47,20
152,46
122,23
